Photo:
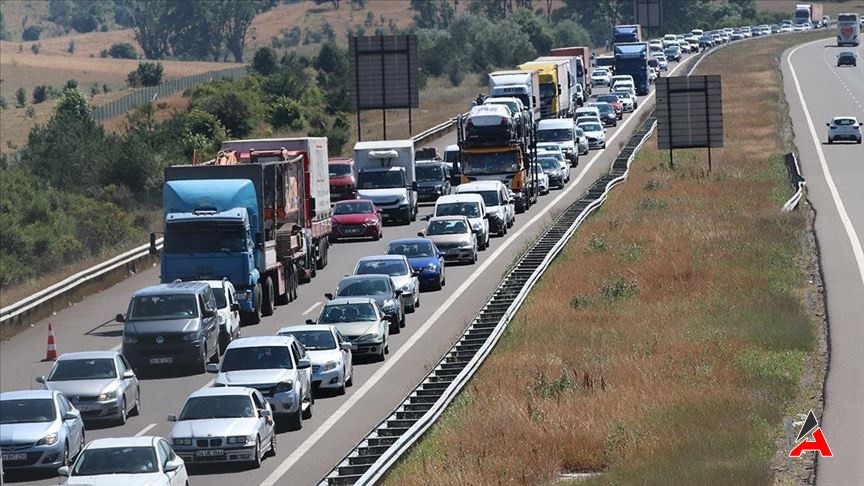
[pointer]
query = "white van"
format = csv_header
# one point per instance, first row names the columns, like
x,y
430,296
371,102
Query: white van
x,y
563,132
500,207
472,207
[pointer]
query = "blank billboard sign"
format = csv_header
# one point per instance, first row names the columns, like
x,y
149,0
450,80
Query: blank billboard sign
x,y
648,13
384,72
689,112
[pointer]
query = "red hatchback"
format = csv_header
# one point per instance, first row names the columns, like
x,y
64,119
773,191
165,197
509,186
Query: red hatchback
x,y
358,218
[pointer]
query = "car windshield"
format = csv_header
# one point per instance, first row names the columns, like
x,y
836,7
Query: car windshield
x,y
514,108
591,127
219,295
622,94
580,132
315,340
381,179
605,108
608,98
83,369
394,268
554,135
353,207
340,170
27,410
162,307
553,155
447,227
490,198
365,286
337,313
548,164
413,249
216,407
257,358
429,172
116,460
467,209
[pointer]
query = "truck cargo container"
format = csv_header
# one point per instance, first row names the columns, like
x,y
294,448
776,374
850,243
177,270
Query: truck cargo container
x,y
582,55
808,13
524,85
626,34
573,66
554,96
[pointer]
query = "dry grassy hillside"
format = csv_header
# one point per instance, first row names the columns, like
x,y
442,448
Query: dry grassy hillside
x,y
829,8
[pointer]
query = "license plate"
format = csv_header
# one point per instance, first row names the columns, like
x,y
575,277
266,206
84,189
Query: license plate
x,y
14,456
167,360
353,230
210,453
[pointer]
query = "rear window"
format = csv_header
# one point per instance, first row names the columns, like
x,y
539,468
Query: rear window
x,y
844,122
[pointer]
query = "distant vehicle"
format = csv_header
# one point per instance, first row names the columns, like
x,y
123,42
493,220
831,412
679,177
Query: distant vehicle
x,y
379,288
500,206
471,206
357,218
608,115
652,74
433,180
228,311
685,46
582,141
662,62
542,178
628,102
672,53
329,352
596,134
560,131
225,424
490,123
386,177
276,366
453,237
706,41
844,128
100,384
517,110
39,429
552,170
425,260
848,29
600,77
587,119
847,58
343,179
138,460
605,61
807,14
399,269
360,321
451,155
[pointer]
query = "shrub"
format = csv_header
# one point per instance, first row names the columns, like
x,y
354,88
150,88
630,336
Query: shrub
x,y
265,62
71,48
40,94
30,111
71,84
31,33
619,288
121,50
285,111
147,74
35,48
21,97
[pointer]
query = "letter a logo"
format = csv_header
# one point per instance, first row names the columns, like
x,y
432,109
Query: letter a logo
x,y
811,426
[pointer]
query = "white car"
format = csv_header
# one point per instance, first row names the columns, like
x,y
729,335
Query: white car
x,y
500,206
224,424
600,77
844,128
596,134
471,206
227,311
652,74
582,140
554,150
542,178
360,321
130,461
587,119
628,102
399,269
625,85
662,62
559,131
329,352
277,366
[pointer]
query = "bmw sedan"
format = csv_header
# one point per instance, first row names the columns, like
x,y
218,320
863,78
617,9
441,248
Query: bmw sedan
x,y
100,384
224,424
399,269
330,354
39,429
131,461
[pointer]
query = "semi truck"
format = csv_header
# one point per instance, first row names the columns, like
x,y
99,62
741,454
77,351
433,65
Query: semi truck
x,y
573,67
386,176
524,85
626,34
579,57
554,92
256,215
632,59
808,13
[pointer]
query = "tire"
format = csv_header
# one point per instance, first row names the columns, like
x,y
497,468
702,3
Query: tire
x,y
254,317
123,415
350,380
341,390
268,297
377,236
295,283
321,262
395,328
295,420
66,459
272,451
136,410
214,358
283,299
256,461
307,414
410,309
417,304
402,319
482,246
830,140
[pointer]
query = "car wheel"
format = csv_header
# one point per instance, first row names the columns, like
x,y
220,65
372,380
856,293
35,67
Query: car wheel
x,y
395,328
409,309
295,420
377,236
830,140
307,414
256,461
66,459
417,302
123,415
213,358
268,297
272,451
136,410
350,380
341,389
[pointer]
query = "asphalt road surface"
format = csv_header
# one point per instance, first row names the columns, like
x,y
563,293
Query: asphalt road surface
x,y
817,90
305,456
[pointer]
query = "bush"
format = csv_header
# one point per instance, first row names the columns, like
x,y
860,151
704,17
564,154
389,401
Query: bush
x,y
121,50
31,33
71,84
285,111
40,94
236,103
71,48
337,134
147,74
265,62
21,97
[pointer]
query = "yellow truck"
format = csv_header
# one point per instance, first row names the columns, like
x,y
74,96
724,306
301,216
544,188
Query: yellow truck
x,y
550,87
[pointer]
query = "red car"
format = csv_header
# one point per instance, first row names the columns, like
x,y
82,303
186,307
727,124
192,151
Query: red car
x,y
614,101
358,218
343,183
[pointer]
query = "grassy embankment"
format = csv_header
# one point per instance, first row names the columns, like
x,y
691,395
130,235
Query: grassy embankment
x,y
668,341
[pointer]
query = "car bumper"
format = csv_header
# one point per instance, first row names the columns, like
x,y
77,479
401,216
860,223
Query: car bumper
x,y
429,278
853,137
395,213
163,356
367,348
457,254
556,180
354,231
338,194
284,403
93,410
33,457
196,455
429,194
327,379
592,144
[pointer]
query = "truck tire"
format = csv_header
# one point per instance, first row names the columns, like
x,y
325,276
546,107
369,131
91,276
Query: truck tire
x,y
284,298
254,317
267,297
321,262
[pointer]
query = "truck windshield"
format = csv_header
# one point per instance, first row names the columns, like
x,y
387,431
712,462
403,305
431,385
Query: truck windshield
x,y
381,180
492,163
162,307
340,170
429,172
205,237
555,135
548,91
631,65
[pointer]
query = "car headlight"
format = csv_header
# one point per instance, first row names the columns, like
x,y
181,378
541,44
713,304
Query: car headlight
x,y
330,365
403,200
238,439
367,338
438,187
190,337
432,267
371,221
181,441
477,227
466,244
104,397
389,305
48,440
130,339
284,386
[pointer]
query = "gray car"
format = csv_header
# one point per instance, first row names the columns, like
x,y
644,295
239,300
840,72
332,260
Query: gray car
x,y
360,321
378,287
224,424
453,237
399,269
100,384
329,352
844,128
39,429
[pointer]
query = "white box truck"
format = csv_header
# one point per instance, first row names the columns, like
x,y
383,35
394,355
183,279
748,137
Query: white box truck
x,y
524,85
386,176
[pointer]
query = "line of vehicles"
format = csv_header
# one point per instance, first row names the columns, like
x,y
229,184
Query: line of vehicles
x,y
244,230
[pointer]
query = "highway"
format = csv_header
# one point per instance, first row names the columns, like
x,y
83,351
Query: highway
x,y
817,91
305,456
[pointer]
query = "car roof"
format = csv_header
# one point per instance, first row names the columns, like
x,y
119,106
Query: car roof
x,y
493,109
351,201
449,218
381,257
341,161
221,391
111,442
173,288
457,198
217,284
305,327
350,300
555,123
19,394
365,276
501,99
478,186
87,355
255,341
409,241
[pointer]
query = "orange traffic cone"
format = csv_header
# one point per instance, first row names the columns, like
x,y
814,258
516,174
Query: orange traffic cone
x,y
51,355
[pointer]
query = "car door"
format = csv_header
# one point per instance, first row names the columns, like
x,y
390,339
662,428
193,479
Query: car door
x,y
305,375
209,324
74,427
265,424
234,311
347,355
166,454
129,386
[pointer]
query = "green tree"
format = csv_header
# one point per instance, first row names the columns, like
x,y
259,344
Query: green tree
x,y
147,74
434,14
333,76
238,18
40,94
4,34
122,50
236,103
287,112
32,33
265,62
21,97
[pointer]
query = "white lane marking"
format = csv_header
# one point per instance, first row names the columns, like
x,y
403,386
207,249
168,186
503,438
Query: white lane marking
x,y
835,195
325,427
311,308
145,430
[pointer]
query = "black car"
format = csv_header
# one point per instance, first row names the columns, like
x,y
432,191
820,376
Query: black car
x,y
433,180
608,116
847,58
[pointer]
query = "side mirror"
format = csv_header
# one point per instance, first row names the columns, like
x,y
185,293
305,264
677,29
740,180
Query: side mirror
x,y
128,374
346,346
827,124
310,321
153,249
40,379
72,415
63,471
414,186
328,296
264,413
208,313
120,318
171,418
420,234
416,273
173,465
397,292
378,210
303,364
212,367
486,216
235,307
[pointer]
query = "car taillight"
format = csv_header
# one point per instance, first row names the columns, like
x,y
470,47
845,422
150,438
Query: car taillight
x,y
505,121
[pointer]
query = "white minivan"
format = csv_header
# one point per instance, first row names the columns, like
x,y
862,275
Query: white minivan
x,y
500,206
472,207
563,132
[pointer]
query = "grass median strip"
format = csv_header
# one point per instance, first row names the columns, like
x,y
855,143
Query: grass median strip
x,y
669,339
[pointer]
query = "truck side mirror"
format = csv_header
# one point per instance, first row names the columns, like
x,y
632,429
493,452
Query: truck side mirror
x,y
153,249
414,186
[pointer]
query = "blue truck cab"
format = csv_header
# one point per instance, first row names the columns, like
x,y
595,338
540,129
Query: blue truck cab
x,y
632,59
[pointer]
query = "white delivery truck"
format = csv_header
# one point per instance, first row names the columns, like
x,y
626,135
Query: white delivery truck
x,y
524,85
386,176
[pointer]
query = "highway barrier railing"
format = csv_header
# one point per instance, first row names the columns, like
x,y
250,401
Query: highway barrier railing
x,y
797,180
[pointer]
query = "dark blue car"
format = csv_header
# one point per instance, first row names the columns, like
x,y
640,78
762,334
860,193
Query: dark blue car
x,y
424,258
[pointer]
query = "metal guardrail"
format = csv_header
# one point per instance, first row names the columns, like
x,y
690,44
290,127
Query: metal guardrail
x,y
798,182
59,295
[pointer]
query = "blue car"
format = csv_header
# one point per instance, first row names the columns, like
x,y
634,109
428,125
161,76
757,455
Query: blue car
x,y
424,258
39,429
